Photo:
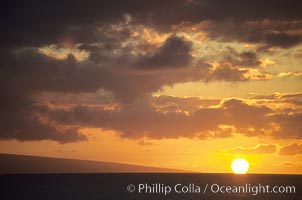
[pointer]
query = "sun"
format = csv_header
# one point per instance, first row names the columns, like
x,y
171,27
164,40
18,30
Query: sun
x,y
240,166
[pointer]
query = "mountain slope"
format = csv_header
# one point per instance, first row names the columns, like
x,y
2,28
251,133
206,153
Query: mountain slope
x,y
10,164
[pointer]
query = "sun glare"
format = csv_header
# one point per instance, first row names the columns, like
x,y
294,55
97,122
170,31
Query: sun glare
x,y
240,166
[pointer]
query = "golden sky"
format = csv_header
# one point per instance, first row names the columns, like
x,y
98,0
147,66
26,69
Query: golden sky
x,y
181,89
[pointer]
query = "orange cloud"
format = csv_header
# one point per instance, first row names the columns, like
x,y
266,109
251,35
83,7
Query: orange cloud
x,y
289,74
291,150
258,149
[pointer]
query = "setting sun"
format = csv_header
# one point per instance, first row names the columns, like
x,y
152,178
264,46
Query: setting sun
x,y
240,166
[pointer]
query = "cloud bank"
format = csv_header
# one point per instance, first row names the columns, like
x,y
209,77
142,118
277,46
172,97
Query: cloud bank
x,y
128,50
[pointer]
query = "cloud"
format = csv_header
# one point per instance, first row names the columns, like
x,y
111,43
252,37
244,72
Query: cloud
x,y
266,33
142,120
136,117
289,74
174,53
116,73
148,117
289,124
24,124
244,116
142,142
298,164
49,22
245,59
150,120
291,98
166,103
129,50
227,72
258,149
22,88
291,150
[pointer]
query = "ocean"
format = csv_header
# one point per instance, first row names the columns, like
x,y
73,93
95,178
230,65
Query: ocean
x,y
145,186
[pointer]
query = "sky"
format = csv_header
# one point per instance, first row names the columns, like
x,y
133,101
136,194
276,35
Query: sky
x,y
182,84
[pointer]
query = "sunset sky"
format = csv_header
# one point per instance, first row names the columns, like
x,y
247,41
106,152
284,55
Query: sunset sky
x,y
182,84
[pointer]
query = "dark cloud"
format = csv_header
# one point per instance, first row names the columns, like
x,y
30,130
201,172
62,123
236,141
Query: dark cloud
x,y
143,119
157,117
248,10
249,120
36,23
27,73
19,117
176,52
227,72
21,120
245,59
23,126
128,73
30,71
291,150
267,32
282,39
289,123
